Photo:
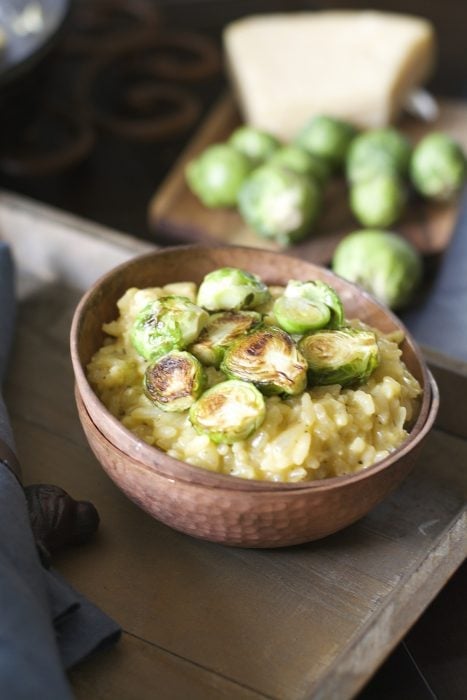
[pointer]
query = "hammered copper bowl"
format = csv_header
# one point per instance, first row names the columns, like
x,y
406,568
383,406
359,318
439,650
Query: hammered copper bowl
x,y
214,506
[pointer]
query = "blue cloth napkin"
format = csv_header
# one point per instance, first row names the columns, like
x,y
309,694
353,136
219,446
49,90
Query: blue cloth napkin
x,y
440,321
45,625
7,320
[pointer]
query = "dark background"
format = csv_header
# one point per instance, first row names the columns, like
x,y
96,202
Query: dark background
x,y
44,116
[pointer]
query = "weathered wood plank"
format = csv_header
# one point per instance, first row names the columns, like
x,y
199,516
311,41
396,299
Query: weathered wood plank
x,y
135,669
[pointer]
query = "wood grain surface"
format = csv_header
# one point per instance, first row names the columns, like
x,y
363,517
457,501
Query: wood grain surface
x,y
175,213
201,620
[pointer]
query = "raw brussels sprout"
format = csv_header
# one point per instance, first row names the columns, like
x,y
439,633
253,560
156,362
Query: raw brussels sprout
x,y
256,144
328,138
384,263
168,323
378,151
345,356
279,203
438,166
319,292
378,202
174,381
301,161
230,288
267,357
220,331
217,174
228,412
298,315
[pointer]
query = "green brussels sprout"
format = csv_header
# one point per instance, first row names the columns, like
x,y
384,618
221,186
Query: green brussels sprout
x,y
301,161
220,331
378,151
438,167
228,412
168,323
328,138
256,144
297,315
279,203
230,288
217,174
175,381
345,356
384,263
378,202
319,292
267,357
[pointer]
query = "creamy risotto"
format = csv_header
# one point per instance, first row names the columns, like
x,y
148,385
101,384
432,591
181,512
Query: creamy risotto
x,y
323,432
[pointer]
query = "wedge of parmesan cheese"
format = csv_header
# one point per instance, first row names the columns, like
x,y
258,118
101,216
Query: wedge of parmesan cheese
x,y
356,65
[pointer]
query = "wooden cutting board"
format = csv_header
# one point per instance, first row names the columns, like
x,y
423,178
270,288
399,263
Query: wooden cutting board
x,y
176,213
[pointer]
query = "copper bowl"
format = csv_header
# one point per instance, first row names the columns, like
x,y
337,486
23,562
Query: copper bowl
x,y
218,507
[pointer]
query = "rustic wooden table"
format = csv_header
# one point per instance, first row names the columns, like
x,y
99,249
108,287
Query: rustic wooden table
x,y
202,620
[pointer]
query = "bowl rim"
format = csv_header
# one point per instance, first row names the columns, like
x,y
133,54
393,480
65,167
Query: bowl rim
x,y
174,469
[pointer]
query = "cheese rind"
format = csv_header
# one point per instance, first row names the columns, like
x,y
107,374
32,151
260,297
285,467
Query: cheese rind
x,y
356,65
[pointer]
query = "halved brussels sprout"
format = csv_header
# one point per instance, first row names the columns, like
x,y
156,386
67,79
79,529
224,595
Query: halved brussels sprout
x,y
216,175
168,323
384,263
377,151
230,288
279,203
301,161
345,356
318,291
269,358
328,138
228,412
298,315
220,331
174,381
256,144
380,201
439,166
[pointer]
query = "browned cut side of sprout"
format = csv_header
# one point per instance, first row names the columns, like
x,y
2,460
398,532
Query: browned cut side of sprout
x,y
269,358
175,381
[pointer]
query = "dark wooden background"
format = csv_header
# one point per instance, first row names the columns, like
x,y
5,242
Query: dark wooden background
x,y
113,181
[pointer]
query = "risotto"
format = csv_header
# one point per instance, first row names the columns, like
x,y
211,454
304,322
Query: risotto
x,y
324,431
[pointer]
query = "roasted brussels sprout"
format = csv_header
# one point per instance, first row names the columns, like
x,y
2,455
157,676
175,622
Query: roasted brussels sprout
x,y
318,292
301,161
254,143
279,203
384,263
228,412
378,151
220,331
168,323
328,138
345,356
174,381
297,315
378,202
269,358
217,174
230,288
438,167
